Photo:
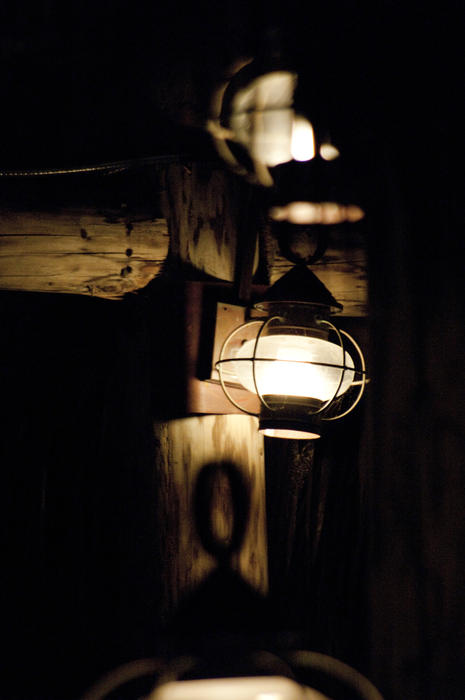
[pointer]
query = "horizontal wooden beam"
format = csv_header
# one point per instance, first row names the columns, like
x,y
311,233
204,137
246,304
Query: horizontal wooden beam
x,y
109,235
80,251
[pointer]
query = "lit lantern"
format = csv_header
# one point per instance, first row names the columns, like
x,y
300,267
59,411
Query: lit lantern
x,y
251,122
306,670
241,688
265,137
262,117
254,124
303,369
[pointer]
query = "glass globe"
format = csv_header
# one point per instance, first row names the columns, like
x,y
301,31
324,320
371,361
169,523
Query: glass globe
x,y
292,365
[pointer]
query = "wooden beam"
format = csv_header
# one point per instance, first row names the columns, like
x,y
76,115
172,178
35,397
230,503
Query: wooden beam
x,y
109,235
93,233
80,237
81,251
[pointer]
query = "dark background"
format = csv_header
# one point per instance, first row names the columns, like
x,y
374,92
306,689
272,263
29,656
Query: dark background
x,y
113,80
92,82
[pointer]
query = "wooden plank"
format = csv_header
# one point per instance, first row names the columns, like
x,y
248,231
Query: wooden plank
x,y
209,397
120,248
65,220
80,251
183,447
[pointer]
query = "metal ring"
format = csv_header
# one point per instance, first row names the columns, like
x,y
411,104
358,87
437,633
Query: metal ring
x,y
259,394
221,361
364,381
342,366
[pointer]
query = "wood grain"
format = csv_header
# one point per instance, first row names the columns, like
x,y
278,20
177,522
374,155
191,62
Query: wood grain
x,y
183,447
205,206
80,251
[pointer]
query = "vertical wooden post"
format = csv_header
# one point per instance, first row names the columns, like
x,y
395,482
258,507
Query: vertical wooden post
x,y
205,209
183,447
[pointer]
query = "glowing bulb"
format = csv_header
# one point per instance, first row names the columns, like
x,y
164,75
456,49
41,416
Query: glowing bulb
x,y
302,140
284,367
329,152
354,213
332,213
246,688
303,213
262,117
317,213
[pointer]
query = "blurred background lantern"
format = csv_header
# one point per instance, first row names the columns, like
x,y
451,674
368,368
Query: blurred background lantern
x,y
252,119
284,130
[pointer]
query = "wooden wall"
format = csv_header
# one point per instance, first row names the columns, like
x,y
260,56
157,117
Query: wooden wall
x,y
78,593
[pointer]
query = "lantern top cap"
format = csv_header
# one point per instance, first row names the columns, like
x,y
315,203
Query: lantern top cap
x,y
300,285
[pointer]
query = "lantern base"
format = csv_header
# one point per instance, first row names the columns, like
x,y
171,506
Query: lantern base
x,y
308,428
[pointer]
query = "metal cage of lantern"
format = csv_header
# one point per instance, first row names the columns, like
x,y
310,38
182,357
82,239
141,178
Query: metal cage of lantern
x,y
343,367
301,664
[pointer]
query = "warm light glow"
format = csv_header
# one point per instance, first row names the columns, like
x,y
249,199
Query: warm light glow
x,y
297,213
247,688
303,139
262,117
271,137
288,434
317,213
329,152
295,362
354,213
291,373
